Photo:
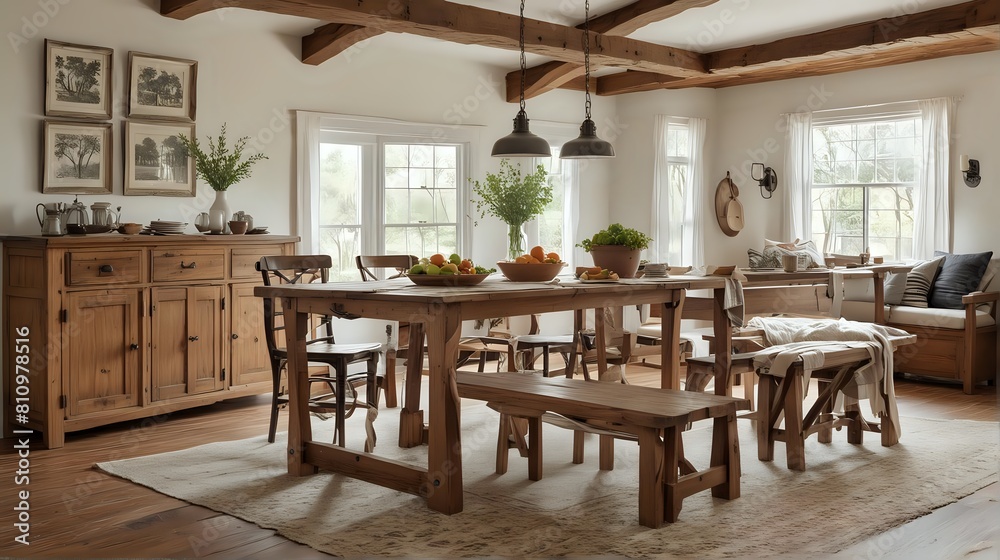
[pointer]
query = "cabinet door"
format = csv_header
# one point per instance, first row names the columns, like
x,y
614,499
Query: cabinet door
x,y
249,362
186,337
101,356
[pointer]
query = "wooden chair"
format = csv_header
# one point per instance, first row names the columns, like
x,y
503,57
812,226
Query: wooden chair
x,y
372,268
321,348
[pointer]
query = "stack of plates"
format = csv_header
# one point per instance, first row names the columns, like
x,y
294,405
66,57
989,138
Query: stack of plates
x,y
655,270
166,227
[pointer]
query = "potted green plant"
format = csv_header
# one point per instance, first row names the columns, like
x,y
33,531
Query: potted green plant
x,y
617,248
220,167
515,199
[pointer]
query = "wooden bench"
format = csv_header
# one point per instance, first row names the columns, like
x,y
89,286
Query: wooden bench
x,y
655,417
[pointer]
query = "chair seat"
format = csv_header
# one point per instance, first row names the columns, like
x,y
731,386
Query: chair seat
x,y
321,352
540,339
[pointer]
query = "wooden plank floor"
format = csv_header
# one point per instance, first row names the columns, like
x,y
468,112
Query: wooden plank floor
x,y
77,511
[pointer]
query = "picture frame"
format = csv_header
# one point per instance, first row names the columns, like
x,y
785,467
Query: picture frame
x,y
161,87
156,164
76,157
78,80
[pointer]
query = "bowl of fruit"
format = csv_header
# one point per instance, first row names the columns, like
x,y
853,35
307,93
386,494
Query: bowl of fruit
x,y
438,270
536,266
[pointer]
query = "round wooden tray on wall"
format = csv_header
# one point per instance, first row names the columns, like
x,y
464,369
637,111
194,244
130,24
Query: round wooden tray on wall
x,y
728,208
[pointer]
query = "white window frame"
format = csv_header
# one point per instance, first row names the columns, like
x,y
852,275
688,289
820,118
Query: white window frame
x,y
313,128
877,114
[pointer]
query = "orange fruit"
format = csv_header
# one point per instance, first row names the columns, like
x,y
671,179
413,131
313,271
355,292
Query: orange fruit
x,y
466,263
538,252
533,260
553,256
438,259
522,259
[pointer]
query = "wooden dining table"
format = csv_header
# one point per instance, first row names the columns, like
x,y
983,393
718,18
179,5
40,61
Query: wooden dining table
x,y
437,313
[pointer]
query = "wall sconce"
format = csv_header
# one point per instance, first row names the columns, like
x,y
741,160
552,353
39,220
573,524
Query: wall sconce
x,y
970,171
766,177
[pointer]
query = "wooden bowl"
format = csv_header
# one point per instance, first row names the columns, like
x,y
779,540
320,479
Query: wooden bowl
x,y
540,272
238,227
98,228
129,228
446,279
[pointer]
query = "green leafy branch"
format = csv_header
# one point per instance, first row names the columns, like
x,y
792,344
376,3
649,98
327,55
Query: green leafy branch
x,y
513,198
617,234
220,167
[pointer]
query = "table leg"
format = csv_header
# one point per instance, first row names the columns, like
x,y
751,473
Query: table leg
x,y
411,418
765,422
299,427
444,442
723,344
670,340
726,452
795,449
651,477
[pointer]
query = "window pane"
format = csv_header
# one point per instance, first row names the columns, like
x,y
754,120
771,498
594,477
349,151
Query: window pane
x,y
396,155
445,156
342,244
397,177
444,205
421,155
421,206
445,178
397,206
340,184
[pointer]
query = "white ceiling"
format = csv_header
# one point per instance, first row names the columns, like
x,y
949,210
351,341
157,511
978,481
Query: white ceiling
x,y
725,24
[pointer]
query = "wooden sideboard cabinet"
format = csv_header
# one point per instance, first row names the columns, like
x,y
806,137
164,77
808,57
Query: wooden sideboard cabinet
x,y
121,327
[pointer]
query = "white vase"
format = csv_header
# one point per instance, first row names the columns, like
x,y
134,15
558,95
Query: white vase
x,y
218,214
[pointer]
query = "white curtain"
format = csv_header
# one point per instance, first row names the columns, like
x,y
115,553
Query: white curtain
x,y
798,177
932,212
690,232
693,252
661,191
306,220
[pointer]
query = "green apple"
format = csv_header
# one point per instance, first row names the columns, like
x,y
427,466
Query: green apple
x,y
432,269
417,269
450,268
455,259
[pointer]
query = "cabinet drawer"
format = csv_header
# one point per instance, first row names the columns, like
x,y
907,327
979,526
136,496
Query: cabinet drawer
x,y
171,265
245,259
101,267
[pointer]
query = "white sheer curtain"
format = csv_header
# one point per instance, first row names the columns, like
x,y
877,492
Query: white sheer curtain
x,y
932,212
693,251
690,230
306,220
798,177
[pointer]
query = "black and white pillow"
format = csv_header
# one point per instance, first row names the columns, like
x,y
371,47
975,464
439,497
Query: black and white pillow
x,y
918,282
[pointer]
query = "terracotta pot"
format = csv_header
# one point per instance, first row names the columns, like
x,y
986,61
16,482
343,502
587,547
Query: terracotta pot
x,y
616,258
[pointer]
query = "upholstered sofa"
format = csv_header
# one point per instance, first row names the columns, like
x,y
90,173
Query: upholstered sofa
x,y
956,331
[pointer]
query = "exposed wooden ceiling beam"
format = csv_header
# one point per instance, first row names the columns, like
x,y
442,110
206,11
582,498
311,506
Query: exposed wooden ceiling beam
x,y
623,21
464,24
960,29
332,39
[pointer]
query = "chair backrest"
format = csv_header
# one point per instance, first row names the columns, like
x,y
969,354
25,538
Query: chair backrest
x,y
394,265
291,269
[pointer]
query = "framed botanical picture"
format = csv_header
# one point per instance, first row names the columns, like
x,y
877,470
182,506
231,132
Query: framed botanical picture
x,y
161,87
77,81
156,161
76,157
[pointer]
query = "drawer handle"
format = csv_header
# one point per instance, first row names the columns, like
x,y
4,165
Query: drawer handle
x,y
133,346
235,336
106,269
192,265
193,338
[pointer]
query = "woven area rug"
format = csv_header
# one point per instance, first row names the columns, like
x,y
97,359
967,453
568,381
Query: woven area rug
x,y
847,494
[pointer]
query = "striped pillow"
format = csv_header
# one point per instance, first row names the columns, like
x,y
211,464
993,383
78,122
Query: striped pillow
x,y
918,282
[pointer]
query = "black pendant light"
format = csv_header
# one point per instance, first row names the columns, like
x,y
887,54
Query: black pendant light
x,y
521,142
587,145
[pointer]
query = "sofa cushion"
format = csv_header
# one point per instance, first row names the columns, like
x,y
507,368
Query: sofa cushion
x,y
863,289
960,275
936,317
918,282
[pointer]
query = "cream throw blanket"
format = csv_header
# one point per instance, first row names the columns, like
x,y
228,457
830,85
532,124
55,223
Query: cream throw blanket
x,y
791,339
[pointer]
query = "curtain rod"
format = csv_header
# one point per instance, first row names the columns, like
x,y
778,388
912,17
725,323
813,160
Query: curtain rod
x,y
955,98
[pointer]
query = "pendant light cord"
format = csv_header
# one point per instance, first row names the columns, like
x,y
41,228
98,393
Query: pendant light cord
x,y
524,64
586,54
